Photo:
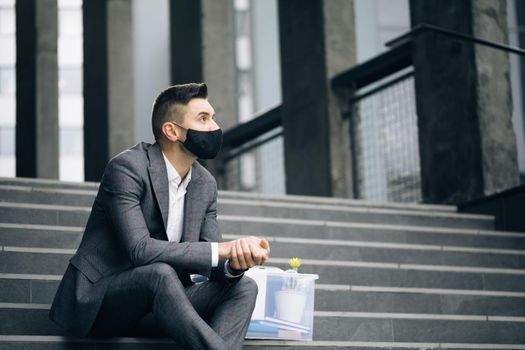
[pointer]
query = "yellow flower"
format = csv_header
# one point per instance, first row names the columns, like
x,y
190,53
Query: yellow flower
x,y
295,263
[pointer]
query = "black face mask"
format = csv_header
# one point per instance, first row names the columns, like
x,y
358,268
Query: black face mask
x,y
203,144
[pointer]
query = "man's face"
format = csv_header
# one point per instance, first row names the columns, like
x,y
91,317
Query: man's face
x,y
199,115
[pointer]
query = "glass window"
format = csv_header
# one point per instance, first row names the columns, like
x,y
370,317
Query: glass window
x,y
70,22
7,80
7,20
71,140
7,141
7,87
70,59
70,80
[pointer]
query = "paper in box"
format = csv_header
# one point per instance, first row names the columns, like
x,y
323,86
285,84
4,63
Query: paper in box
x,y
285,304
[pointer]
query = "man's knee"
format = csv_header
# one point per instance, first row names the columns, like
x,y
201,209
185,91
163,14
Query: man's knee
x,y
160,268
160,273
248,286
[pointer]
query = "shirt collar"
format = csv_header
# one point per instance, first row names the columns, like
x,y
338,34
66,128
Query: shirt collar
x,y
173,175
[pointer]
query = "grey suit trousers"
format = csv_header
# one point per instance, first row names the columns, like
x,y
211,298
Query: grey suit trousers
x,y
207,315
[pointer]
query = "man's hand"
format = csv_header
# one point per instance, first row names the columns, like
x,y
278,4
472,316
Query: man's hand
x,y
244,253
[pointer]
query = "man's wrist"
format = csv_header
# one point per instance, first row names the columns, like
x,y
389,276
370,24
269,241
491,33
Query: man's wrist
x,y
232,271
224,250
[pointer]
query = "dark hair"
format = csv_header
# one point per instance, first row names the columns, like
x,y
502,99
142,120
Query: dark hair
x,y
174,95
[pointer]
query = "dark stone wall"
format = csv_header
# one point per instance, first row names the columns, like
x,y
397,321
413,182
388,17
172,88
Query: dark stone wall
x,y
36,89
109,123
186,41
445,78
305,121
506,207
494,98
453,114
95,80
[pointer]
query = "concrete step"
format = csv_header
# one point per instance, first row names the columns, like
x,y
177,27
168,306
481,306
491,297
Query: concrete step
x,y
364,299
40,261
391,275
58,236
54,261
353,214
331,326
45,195
47,183
250,225
313,248
17,342
335,201
40,289
28,288
320,249
280,210
40,236
37,214
413,275
69,192
44,214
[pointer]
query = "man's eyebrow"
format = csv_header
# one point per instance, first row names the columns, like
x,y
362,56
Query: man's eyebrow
x,y
203,112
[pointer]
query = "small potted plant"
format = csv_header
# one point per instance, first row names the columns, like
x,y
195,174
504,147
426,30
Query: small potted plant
x,y
291,299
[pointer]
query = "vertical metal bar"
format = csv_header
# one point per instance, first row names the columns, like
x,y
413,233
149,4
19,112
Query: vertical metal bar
x,y
355,171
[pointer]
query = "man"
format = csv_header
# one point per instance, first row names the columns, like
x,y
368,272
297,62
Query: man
x,y
152,228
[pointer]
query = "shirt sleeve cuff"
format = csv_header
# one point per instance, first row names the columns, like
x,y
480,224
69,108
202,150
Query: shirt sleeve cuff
x,y
214,254
227,271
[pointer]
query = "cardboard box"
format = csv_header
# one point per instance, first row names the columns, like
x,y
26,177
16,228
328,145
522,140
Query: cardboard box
x,y
285,304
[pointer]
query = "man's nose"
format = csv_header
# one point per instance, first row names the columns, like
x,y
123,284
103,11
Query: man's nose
x,y
213,126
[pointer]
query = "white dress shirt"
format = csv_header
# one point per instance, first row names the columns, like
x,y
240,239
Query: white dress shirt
x,y
177,189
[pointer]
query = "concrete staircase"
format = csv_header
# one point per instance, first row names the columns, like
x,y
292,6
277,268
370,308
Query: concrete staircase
x,y
391,276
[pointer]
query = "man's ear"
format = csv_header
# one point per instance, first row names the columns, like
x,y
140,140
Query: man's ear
x,y
170,131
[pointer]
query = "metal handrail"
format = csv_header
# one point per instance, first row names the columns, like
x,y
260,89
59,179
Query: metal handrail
x,y
424,27
376,68
400,56
382,86
373,70
261,123
243,149
243,137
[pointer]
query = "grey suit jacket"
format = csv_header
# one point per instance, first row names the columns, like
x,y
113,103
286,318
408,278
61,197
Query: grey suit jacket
x,y
127,228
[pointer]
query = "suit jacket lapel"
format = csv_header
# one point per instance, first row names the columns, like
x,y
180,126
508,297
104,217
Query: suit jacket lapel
x,y
190,229
159,180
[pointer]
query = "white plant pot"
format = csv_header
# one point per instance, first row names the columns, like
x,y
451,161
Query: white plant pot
x,y
290,305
